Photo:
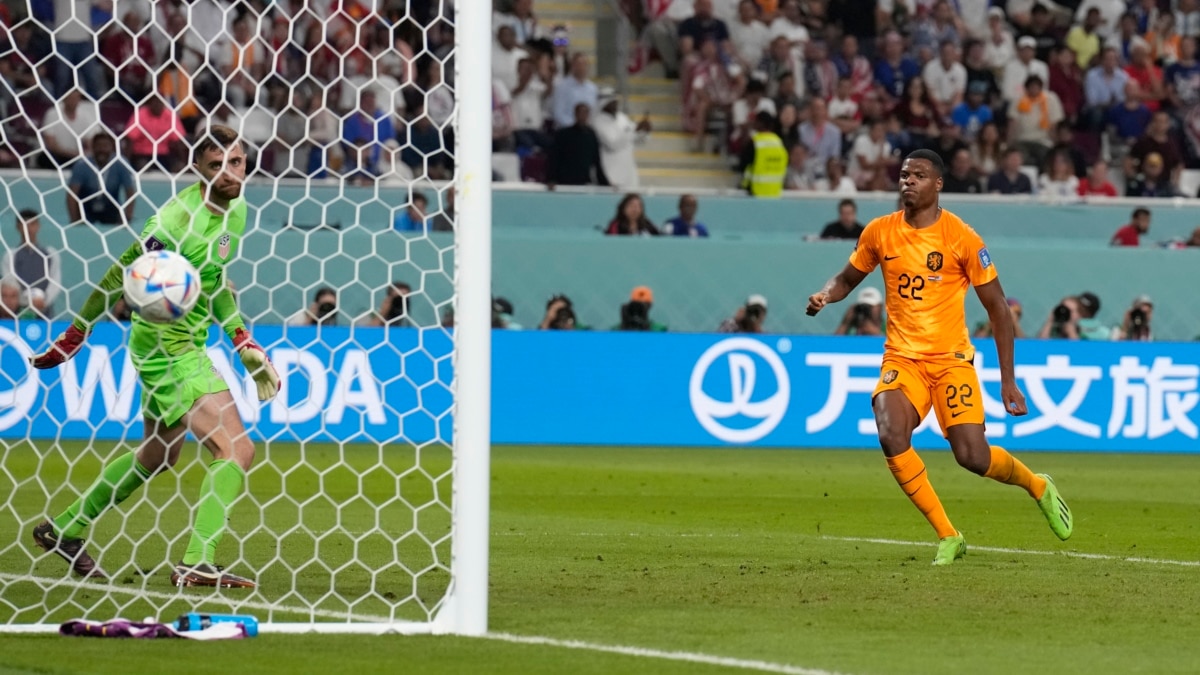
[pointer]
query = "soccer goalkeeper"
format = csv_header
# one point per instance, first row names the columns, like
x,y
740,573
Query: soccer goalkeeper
x,y
181,390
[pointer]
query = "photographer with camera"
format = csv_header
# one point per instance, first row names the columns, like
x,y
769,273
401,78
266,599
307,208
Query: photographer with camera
x,y
560,314
1075,319
393,311
749,318
865,316
983,329
502,314
1136,325
321,312
635,314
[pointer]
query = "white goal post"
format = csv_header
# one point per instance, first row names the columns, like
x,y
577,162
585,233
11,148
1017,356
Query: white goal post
x,y
369,580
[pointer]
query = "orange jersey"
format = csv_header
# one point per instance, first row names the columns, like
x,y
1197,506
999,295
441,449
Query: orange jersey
x,y
926,273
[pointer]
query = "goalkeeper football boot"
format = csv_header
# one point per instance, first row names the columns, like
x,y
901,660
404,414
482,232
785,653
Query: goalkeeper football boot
x,y
1055,508
950,549
71,550
204,574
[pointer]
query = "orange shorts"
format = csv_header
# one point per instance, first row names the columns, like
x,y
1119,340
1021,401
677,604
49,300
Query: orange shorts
x,y
949,386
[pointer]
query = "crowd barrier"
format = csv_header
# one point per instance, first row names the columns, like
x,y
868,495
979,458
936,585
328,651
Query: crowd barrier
x,y
394,385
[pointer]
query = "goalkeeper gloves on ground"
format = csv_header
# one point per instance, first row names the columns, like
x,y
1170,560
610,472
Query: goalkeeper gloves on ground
x,y
65,346
257,364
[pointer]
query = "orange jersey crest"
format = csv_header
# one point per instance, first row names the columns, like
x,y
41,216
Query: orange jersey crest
x,y
926,274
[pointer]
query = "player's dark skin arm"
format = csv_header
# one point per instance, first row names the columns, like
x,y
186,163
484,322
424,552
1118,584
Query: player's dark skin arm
x,y
991,296
836,289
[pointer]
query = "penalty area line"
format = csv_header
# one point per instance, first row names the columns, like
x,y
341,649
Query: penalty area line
x,y
643,652
221,599
1025,551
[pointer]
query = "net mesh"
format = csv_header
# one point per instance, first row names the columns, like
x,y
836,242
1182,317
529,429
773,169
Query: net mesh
x,y
345,275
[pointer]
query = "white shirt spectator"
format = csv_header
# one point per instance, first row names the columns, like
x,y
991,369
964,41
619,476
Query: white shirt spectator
x,y
679,10
569,92
794,32
1015,73
867,149
974,17
68,133
528,107
750,40
945,84
388,93
618,134
842,107
845,186
439,105
504,64
53,275
742,113
1060,189
997,55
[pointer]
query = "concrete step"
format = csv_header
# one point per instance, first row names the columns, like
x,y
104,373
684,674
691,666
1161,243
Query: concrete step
x,y
658,86
655,104
677,159
686,178
582,10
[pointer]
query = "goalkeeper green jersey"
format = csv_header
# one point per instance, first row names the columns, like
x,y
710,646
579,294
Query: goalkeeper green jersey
x,y
209,241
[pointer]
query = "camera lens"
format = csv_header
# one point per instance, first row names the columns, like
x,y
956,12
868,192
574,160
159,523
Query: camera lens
x,y
1062,314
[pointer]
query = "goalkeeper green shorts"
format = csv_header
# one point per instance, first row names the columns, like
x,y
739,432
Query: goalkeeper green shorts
x,y
172,385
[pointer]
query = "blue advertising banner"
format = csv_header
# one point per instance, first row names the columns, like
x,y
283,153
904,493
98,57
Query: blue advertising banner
x,y
619,388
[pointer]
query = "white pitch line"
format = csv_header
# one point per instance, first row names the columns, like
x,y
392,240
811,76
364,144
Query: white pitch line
x,y
890,542
687,657
51,583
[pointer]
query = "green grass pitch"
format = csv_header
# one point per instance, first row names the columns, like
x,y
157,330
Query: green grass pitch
x,y
765,556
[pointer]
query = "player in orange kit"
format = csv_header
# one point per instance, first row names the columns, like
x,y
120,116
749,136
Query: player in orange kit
x,y
929,257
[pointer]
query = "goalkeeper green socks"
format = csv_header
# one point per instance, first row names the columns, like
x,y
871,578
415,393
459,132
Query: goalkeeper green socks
x,y
117,481
220,488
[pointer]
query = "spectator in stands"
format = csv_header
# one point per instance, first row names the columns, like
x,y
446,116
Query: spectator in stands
x,y
972,113
370,127
1127,121
322,311
894,69
745,110
630,219
439,97
799,175
763,161
242,63
1164,40
67,129
962,178
865,316
1135,325
1130,234
918,115
130,52
502,118
534,86
175,86
502,314
999,47
946,79
522,20
444,219
871,158
987,149
1065,143
709,87
820,75
1157,140
506,56
786,94
846,226
1084,39
1141,69
854,66
1059,180
822,137
393,309
949,142
1188,12
984,329
843,110
33,266
1182,78
1152,180
75,49
835,181
1032,119
1075,319
685,224
779,62
575,153
1104,87
1046,35
618,134
1194,240
156,136
413,218
635,314
1008,179
749,318
1126,36
23,59
10,300
1018,71
698,28
1097,181
560,314
749,35
1066,81
96,183
790,25
978,72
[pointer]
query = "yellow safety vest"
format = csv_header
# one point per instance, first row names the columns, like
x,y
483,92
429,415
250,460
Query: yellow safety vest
x,y
765,176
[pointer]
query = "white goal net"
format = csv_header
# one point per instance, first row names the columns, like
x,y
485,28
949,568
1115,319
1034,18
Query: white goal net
x,y
360,273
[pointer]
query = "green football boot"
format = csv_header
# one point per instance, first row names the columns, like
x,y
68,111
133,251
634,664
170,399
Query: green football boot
x,y
1055,508
950,549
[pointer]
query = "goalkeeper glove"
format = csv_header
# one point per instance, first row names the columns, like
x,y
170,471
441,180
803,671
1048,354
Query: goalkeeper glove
x,y
257,364
65,346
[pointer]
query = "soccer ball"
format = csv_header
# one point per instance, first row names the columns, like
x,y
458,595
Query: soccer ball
x,y
161,286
